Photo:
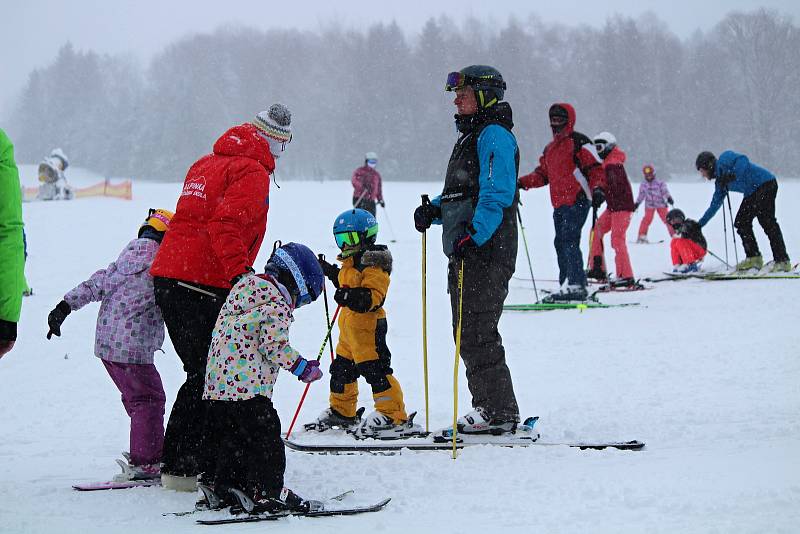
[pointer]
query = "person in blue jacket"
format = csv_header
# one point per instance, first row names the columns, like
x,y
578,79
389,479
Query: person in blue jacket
x,y
734,172
477,210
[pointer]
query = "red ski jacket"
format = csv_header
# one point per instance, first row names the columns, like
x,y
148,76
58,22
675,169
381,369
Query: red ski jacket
x,y
221,216
619,195
367,181
569,164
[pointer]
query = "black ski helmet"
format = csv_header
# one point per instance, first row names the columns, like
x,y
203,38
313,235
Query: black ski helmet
x,y
707,161
486,81
675,216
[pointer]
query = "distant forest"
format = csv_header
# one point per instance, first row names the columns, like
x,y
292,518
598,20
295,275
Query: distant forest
x,y
381,89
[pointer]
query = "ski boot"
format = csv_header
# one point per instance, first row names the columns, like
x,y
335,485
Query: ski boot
x,y
753,262
625,284
379,426
693,267
330,418
781,267
211,500
569,293
597,272
479,421
281,502
137,472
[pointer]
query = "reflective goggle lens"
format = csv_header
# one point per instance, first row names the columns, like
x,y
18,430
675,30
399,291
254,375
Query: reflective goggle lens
x,y
302,300
347,239
600,146
372,161
455,80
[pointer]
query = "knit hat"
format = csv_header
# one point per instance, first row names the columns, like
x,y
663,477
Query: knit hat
x,y
275,123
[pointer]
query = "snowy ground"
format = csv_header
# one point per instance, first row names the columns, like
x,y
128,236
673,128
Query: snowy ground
x,y
706,373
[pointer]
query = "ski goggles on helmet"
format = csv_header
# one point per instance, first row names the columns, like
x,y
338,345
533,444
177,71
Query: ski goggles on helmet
x,y
304,297
372,162
457,80
600,147
347,239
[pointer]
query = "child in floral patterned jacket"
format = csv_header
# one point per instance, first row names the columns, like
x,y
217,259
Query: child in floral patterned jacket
x,y
249,345
129,331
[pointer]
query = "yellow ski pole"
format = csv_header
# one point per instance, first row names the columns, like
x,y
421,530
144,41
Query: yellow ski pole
x,y
425,317
458,355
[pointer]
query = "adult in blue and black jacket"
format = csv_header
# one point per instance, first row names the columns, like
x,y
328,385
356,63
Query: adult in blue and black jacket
x,y
734,172
477,210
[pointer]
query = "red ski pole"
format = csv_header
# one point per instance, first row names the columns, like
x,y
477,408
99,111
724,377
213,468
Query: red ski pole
x,y
319,356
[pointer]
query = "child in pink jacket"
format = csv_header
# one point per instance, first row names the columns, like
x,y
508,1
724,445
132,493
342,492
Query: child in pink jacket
x,y
129,331
656,197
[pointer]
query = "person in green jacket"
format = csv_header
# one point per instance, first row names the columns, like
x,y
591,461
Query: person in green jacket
x,y
12,256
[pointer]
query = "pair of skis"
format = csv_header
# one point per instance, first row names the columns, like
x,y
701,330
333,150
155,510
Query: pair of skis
x,y
526,435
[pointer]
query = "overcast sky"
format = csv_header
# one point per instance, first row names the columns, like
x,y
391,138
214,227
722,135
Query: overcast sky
x,y
32,31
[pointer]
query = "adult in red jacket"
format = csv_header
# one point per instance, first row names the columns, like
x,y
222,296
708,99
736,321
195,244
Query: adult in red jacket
x,y
617,217
219,224
367,189
570,191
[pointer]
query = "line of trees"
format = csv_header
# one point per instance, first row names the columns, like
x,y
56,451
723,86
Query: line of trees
x,y
381,90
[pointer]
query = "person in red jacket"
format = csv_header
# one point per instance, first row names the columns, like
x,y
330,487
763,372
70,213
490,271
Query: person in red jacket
x,y
214,239
617,217
367,190
570,194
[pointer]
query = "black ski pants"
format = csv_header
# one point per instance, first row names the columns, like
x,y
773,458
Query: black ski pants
x,y
190,316
485,289
245,449
761,204
365,204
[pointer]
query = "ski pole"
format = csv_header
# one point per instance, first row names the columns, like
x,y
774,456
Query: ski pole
x,y
319,356
327,312
425,200
360,198
720,259
733,228
591,238
725,230
525,242
458,355
389,224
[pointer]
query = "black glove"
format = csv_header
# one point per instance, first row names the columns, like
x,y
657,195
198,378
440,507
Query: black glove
x,y
463,244
358,299
598,198
56,317
635,206
382,203
424,216
670,201
330,271
235,279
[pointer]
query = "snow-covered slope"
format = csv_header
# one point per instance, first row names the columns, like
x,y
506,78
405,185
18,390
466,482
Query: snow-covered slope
x,y
706,373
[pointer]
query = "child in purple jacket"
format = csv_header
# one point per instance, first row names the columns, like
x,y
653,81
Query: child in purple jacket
x,y
129,331
656,196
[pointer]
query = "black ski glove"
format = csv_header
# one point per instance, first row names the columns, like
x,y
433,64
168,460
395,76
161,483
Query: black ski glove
x,y
635,206
598,197
330,271
670,201
358,299
424,216
382,203
56,317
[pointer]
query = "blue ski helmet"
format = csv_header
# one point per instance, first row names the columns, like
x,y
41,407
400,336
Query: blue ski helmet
x,y
355,230
304,267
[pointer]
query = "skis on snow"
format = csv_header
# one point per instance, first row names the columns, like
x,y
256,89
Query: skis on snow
x,y
114,485
333,442
545,306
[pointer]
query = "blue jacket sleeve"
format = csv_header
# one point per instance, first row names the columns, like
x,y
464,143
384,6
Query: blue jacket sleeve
x,y
497,148
716,203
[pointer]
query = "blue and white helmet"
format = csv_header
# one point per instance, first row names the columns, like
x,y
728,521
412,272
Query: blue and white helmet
x,y
355,230
304,267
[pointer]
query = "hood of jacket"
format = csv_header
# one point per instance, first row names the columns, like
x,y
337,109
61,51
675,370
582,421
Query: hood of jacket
x,y
244,140
570,127
254,291
137,256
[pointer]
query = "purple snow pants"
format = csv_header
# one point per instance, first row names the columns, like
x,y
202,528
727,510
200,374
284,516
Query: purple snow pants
x,y
143,397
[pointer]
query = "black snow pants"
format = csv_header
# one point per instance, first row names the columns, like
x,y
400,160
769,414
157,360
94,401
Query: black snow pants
x,y
245,449
485,289
761,204
190,316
